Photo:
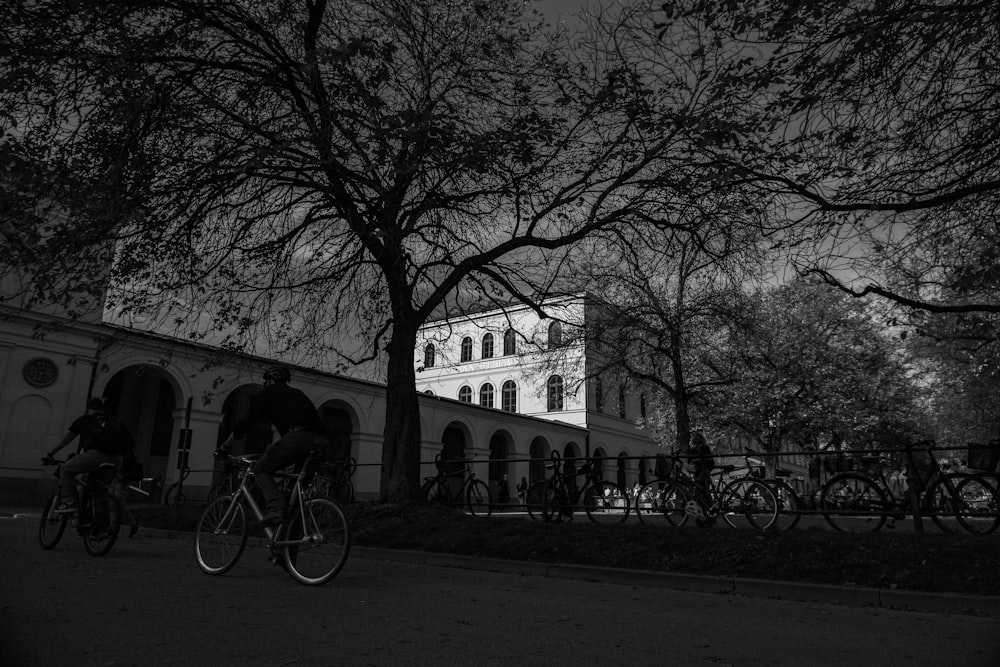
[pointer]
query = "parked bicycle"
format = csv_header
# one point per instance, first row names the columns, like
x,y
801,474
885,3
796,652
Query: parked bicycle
x,y
791,505
742,502
559,497
333,480
175,496
311,544
865,500
97,518
457,487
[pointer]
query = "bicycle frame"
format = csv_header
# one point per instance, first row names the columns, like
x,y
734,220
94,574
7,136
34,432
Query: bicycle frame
x,y
243,494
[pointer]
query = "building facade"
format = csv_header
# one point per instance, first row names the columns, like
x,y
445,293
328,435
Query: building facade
x,y
515,361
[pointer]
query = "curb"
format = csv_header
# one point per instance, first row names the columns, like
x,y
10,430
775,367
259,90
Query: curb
x,y
851,596
947,603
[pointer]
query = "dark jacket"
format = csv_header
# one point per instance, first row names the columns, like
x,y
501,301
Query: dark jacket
x,y
284,407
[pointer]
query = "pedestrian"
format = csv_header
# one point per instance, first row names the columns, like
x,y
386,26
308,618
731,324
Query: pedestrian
x,y
504,490
522,491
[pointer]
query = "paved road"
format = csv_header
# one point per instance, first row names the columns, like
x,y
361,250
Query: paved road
x,y
146,603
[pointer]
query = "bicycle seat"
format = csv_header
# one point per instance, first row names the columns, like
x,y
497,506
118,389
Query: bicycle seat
x,y
244,460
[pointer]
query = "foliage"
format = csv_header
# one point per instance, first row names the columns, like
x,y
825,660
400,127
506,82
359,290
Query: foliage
x,y
814,366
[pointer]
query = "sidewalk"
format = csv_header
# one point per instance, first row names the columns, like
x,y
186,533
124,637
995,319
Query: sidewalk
x,y
947,603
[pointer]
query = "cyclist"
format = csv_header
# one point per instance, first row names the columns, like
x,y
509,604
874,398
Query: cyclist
x,y
103,439
300,427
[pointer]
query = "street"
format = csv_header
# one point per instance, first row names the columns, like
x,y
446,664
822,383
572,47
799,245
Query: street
x,y
147,603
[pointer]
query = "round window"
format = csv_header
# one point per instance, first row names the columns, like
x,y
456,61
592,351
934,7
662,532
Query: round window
x,y
40,372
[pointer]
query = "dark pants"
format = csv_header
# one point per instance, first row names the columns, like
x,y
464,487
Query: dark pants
x,y
292,448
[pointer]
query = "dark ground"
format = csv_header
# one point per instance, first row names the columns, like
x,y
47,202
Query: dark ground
x,y
932,561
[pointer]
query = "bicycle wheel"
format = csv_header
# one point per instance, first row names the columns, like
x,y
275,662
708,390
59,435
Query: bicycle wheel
x,y
790,505
105,520
748,503
343,492
605,502
976,505
853,503
555,503
52,525
325,542
534,500
321,486
434,492
174,497
939,501
220,535
477,498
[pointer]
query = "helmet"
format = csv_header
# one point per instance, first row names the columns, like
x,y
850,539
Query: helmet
x,y
96,404
277,374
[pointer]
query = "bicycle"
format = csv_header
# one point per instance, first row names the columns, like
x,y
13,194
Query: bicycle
x,y
857,501
175,496
791,505
227,485
333,480
311,544
741,502
557,497
473,493
98,516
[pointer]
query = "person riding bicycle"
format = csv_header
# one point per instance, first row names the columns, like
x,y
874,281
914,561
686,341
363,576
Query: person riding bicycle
x,y
103,439
301,429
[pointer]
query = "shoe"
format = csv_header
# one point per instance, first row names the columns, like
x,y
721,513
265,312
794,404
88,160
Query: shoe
x,y
272,518
65,508
133,530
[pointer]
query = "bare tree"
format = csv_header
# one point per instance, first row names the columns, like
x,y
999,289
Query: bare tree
x,y
876,126
292,167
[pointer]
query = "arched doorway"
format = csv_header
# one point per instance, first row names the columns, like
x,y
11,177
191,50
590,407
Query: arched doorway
x,y
538,453
500,483
453,456
339,422
571,452
144,399
599,462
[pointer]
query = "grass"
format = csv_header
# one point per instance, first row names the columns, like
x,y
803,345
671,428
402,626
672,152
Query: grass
x,y
933,561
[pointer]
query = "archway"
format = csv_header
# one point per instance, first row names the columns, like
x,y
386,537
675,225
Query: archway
x,y
598,458
500,484
453,456
538,453
571,452
339,422
143,398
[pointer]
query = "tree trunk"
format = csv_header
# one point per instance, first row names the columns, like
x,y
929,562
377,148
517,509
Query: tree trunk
x,y
401,446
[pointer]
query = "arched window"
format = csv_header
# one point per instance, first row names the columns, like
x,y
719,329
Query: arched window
x,y
598,394
509,342
429,356
555,334
465,394
466,349
555,393
486,395
642,405
621,401
508,396
487,346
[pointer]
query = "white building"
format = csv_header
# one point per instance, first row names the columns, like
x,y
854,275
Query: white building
x,y
514,360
